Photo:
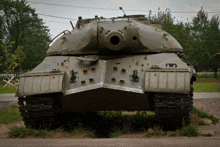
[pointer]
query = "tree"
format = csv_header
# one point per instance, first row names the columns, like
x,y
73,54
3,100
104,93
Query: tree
x,y
22,25
12,59
206,43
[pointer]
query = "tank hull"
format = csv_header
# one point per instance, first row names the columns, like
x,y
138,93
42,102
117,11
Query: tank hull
x,y
104,99
164,72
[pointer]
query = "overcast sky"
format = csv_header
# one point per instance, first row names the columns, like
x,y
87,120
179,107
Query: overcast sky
x,y
57,25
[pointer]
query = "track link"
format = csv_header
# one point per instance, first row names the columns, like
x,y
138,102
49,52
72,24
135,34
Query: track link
x,y
173,109
40,111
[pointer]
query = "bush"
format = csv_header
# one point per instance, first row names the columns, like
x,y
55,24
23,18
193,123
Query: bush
x,y
81,131
189,131
40,133
208,135
124,115
156,131
116,134
207,75
172,134
20,132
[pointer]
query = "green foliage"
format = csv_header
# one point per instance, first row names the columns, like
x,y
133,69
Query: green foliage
x,y
116,134
9,115
205,44
51,134
189,131
82,131
21,24
22,132
202,123
200,39
206,87
207,76
156,131
203,114
110,114
172,134
124,115
208,135
7,89
40,133
11,59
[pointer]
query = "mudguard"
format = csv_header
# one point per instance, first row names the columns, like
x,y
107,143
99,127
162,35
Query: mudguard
x,y
40,83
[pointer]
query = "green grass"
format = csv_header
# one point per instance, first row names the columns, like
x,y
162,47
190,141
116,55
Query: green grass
x,y
206,87
203,114
207,135
116,134
173,134
82,131
155,131
126,115
211,76
7,89
189,131
22,132
9,115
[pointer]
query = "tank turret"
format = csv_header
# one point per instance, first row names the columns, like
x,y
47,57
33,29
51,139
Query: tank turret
x,y
128,34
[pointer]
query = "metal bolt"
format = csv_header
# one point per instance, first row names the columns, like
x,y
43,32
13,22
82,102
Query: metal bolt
x,y
123,70
91,79
122,81
113,79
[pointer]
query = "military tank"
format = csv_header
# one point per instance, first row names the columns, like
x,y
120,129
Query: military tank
x,y
107,64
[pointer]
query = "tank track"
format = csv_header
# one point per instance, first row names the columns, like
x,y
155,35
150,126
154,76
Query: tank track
x,y
40,111
173,109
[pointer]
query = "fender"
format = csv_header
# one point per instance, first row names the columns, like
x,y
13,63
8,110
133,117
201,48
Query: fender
x,y
40,83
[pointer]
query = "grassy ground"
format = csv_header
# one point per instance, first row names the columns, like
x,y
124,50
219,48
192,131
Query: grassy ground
x,y
7,89
206,87
11,115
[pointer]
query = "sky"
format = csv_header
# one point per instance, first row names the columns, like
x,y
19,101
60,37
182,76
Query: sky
x,y
70,10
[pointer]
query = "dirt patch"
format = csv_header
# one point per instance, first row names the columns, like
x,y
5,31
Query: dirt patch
x,y
8,104
5,128
211,106
207,80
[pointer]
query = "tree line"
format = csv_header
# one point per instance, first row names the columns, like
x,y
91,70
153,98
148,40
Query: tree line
x,y
24,38
200,38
